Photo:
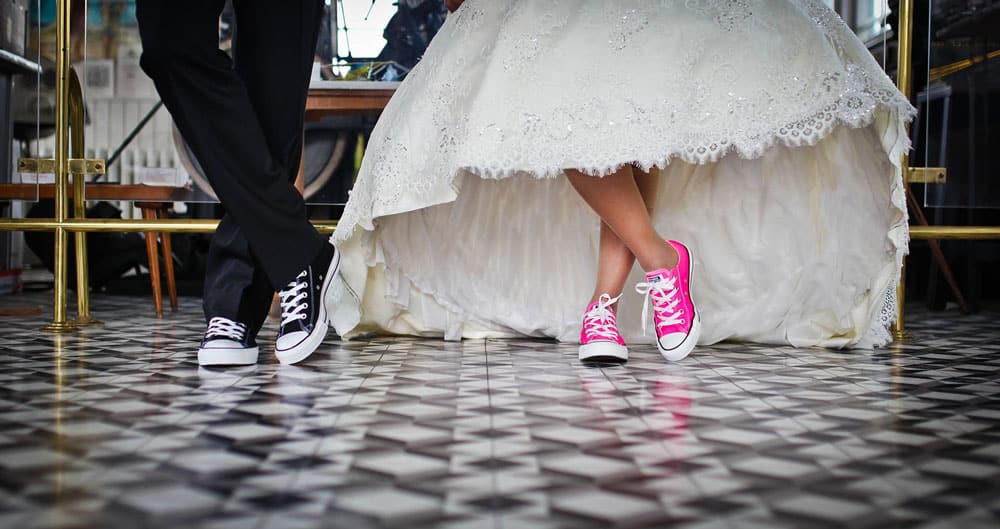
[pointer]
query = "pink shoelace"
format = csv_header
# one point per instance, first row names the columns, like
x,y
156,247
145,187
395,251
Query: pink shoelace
x,y
664,293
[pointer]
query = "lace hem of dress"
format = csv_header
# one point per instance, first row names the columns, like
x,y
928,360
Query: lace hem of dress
x,y
366,205
895,143
706,149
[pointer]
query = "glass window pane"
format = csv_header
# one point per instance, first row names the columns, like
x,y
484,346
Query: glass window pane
x,y
956,60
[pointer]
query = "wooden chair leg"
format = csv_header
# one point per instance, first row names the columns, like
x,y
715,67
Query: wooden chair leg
x,y
168,263
918,213
154,262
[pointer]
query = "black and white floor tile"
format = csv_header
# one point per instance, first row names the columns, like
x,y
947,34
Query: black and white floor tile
x,y
117,426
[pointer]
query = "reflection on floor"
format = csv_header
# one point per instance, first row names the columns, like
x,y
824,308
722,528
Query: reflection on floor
x,y
116,426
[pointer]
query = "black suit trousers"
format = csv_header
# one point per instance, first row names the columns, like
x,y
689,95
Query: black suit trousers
x,y
243,119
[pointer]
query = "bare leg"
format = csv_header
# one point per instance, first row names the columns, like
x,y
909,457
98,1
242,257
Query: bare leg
x,y
616,198
615,260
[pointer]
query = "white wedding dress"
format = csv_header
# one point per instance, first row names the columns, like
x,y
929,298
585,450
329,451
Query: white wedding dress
x,y
777,134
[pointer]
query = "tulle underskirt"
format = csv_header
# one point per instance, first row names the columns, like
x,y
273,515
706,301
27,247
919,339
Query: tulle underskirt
x,y
795,247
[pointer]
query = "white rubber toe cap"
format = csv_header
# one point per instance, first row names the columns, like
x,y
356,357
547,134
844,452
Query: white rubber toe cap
x,y
223,352
295,347
290,340
676,346
604,350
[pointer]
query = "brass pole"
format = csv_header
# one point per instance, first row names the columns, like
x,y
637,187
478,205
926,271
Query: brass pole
x,y
59,323
130,225
903,82
955,232
76,128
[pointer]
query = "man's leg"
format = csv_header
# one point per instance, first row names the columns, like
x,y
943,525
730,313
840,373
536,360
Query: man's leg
x,y
235,284
213,109
273,52
274,48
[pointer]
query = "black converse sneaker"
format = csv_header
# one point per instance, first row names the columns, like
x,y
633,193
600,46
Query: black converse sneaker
x,y
226,343
304,319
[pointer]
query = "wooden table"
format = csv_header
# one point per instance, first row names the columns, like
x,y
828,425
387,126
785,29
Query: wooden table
x,y
328,98
338,98
152,201
135,192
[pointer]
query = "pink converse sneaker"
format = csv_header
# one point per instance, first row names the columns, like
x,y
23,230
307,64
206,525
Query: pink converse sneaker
x,y
600,339
678,324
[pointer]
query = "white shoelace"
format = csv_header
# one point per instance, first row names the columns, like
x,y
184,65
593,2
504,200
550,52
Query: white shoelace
x,y
219,327
665,301
600,320
292,304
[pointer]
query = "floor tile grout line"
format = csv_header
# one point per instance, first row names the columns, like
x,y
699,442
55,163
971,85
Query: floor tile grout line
x,y
659,441
348,403
497,520
217,395
785,363
737,385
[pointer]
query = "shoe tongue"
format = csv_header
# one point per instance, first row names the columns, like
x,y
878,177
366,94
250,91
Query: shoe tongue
x,y
595,304
657,276
214,337
219,337
294,325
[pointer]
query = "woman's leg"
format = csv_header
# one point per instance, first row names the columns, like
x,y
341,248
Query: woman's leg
x,y
616,198
615,260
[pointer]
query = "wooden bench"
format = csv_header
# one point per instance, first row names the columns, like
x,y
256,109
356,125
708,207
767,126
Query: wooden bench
x,y
154,203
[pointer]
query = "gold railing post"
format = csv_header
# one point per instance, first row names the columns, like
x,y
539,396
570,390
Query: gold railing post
x,y
77,123
59,323
903,82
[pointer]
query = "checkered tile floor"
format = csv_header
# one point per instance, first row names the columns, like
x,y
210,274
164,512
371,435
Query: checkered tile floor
x,y
116,426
